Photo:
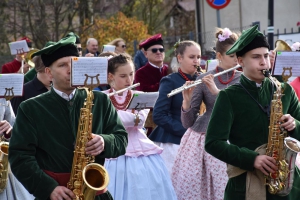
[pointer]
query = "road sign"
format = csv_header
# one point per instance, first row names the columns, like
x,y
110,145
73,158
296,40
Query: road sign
x,y
218,4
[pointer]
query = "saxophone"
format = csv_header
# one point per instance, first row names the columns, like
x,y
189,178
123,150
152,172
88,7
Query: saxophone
x,y
87,178
4,167
282,148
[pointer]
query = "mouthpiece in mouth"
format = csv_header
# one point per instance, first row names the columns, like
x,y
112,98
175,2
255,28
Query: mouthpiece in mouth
x,y
266,72
198,68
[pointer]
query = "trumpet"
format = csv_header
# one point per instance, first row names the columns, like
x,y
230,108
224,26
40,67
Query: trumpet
x,y
123,90
182,88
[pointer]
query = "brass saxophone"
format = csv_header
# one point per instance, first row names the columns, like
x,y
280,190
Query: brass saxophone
x,y
87,178
4,167
282,148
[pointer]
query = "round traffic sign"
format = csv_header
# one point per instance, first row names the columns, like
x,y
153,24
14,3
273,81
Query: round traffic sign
x,y
218,4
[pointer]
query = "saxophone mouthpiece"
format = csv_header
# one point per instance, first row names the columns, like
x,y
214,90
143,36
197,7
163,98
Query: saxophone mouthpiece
x,y
266,72
198,68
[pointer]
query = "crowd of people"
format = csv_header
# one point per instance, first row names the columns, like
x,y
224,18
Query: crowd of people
x,y
186,153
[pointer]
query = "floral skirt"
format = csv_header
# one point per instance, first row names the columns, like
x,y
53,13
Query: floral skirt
x,y
196,174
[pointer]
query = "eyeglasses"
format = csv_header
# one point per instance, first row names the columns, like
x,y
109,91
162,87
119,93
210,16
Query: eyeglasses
x,y
154,50
123,46
79,48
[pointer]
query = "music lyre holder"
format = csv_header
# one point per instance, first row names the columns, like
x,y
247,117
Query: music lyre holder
x,y
91,86
9,93
140,106
20,51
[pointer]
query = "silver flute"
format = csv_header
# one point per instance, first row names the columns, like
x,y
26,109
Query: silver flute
x,y
185,87
123,90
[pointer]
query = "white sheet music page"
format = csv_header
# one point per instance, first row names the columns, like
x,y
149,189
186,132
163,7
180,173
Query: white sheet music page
x,y
91,66
18,47
143,100
11,83
211,64
108,47
287,59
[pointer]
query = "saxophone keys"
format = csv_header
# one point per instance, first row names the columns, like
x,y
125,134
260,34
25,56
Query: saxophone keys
x,y
76,192
283,165
77,185
281,186
272,189
282,175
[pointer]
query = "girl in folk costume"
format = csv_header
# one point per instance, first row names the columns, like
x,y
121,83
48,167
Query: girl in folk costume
x,y
196,174
166,112
140,174
14,189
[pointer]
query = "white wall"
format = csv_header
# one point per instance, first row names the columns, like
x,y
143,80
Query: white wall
x,y
241,13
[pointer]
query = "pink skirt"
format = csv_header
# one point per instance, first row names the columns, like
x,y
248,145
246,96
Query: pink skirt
x,y
195,173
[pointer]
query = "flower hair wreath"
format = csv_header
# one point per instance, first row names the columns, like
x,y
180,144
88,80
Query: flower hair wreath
x,y
296,46
225,35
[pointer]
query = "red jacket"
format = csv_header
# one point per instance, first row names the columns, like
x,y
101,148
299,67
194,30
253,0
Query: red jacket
x,y
149,77
11,67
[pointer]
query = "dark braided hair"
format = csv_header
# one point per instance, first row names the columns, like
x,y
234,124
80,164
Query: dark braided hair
x,y
180,47
117,61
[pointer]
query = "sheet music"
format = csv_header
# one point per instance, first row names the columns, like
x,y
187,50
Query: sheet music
x,y
15,81
18,47
143,100
211,64
90,66
107,47
287,59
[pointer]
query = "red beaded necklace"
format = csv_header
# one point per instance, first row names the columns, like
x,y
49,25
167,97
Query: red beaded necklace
x,y
225,82
183,75
120,106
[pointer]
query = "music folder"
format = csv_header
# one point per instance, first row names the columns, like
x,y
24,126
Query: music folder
x,y
287,60
141,101
11,85
88,70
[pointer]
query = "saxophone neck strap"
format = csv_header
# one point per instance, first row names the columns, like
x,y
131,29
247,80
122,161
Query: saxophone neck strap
x,y
266,109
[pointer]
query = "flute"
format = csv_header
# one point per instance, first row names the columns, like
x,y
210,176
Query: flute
x,y
123,90
185,87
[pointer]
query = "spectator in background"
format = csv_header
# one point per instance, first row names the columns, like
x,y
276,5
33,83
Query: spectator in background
x,y
150,75
140,59
40,84
91,48
15,65
120,45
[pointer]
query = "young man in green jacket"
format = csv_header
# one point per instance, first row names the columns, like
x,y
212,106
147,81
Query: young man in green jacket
x,y
239,123
41,149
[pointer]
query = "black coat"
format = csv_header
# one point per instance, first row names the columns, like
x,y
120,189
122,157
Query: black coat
x,y
30,89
